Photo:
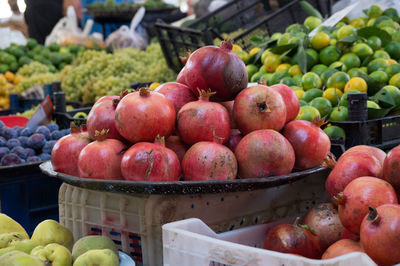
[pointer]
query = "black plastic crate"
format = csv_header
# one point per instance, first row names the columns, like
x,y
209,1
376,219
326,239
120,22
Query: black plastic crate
x,y
253,18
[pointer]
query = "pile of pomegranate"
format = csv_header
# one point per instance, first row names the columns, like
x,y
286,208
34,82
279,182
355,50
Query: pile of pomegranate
x,y
364,215
206,126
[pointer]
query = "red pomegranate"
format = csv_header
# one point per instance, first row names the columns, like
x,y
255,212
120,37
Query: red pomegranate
x,y
65,153
102,115
349,235
203,120
101,159
391,168
264,153
259,107
342,247
358,195
217,69
175,144
229,107
291,101
209,161
144,114
106,98
379,154
181,76
178,94
350,167
150,162
234,139
310,143
295,239
324,220
380,234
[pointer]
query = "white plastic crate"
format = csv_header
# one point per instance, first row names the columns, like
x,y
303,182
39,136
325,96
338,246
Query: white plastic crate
x,y
192,242
134,221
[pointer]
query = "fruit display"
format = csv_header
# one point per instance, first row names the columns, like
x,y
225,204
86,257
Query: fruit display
x,y
52,244
8,82
97,73
20,145
354,56
34,73
112,5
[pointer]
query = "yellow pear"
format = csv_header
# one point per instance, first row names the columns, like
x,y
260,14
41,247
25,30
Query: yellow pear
x,y
8,225
50,231
97,257
19,258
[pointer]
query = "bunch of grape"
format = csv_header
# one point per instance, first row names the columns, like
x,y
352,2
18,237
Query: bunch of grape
x,y
36,79
95,74
32,69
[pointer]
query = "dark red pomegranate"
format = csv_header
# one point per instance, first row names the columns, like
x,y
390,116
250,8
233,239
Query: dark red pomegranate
x,y
358,195
391,168
217,69
229,107
349,235
380,234
65,153
295,239
324,220
102,115
209,161
101,159
310,143
144,114
291,101
181,76
259,107
264,153
350,167
106,98
342,247
234,139
203,120
150,162
178,94
379,154
176,145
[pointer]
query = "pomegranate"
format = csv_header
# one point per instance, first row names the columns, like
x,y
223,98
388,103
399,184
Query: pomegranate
x,y
349,235
209,161
150,162
324,220
181,76
378,153
175,144
391,168
380,234
229,107
106,98
259,107
177,93
264,153
101,159
310,143
234,139
217,69
291,101
342,247
203,120
65,153
350,167
144,114
295,239
102,115
358,195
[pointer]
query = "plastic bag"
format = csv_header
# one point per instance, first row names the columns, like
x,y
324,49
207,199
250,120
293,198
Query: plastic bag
x,y
129,36
363,4
9,36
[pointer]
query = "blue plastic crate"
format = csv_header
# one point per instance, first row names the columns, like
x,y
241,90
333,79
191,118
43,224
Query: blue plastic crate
x,y
28,196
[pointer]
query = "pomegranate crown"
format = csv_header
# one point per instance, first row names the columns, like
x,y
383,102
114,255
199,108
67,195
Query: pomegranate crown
x,y
74,128
101,135
329,161
185,59
227,45
144,92
205,95
304,226
160,140
318,122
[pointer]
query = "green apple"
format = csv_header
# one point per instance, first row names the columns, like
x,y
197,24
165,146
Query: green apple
x,y
25,245
8,225
6,238
97,257
55,254
49,231
92,242
19,258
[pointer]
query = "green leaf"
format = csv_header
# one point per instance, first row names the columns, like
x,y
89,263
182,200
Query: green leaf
x,y
349,39
374,31
282,49
373,85
302,58
256,40
378,113
310,10
384,99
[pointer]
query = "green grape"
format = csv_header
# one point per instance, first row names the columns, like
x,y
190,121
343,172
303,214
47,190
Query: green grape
x,y
32,69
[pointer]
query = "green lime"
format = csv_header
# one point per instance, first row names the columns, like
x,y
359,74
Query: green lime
x,y
339,113
346,31
243,55
381,54
276,77
56,58
312,58
24,60
265,77
4,68
319,69
339,66
264,55
312,94
320,40
335,132
374,11
388,24
391,12
354,72
289,81
357,23
262,69
380,76
14,67
52,69
272,61
393,91
393,48
343,100
298,78
340,24
311,80
251,70
392,69
396,36
328,55
374,42
312,22
294,70
338,80
294,40
362,50
350,60
55,47
31,43
256,76
303,103
377,64
374,105
276,36
327,73
284,39
308,113
323,105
